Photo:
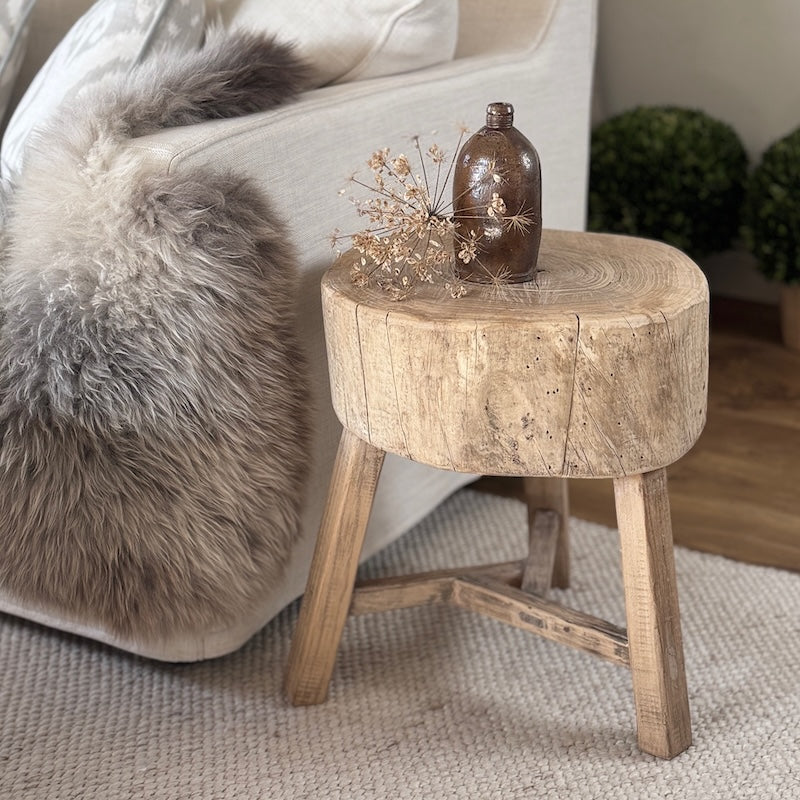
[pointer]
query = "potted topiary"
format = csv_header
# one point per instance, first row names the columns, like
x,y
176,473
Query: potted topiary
x,y
772,226
668,173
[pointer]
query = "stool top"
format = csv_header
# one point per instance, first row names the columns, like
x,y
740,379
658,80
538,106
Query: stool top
x,y
598,368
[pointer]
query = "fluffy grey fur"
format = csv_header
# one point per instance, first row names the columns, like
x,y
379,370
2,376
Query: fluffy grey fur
x,y
152,391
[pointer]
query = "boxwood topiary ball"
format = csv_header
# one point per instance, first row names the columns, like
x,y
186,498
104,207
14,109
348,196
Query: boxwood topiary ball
x,y
668,173
772,210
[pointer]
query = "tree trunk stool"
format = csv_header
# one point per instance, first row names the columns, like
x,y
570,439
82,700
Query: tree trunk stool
x,y
597,369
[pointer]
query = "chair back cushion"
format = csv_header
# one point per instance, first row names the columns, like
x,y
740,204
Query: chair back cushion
x,y
348,41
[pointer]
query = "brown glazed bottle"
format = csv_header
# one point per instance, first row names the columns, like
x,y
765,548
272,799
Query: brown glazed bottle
x,y
498,160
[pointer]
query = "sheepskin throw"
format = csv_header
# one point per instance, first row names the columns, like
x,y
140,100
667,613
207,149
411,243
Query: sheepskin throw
x,y
152,391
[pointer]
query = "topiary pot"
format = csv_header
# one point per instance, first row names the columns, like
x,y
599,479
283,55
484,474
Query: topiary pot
x,y
790,316
668,173
772,226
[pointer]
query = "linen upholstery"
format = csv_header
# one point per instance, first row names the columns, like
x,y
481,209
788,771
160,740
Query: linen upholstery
x,y
301,155
346,41
502,26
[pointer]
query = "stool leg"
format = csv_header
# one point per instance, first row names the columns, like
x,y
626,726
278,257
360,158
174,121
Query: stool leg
x,y
333,569
548,551
654,628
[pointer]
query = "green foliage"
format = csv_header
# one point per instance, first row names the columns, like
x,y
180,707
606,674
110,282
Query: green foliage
x,y
772,211
668,173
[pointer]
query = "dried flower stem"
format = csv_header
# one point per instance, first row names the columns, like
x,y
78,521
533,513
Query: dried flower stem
x,y
411,227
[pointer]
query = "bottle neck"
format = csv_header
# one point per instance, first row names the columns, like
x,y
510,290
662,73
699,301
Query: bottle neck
x,y
499,116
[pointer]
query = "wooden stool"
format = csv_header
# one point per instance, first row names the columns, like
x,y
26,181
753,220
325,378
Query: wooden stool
x,y
596,370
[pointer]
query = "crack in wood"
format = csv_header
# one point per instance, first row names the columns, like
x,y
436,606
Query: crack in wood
x,y
363,371
564,463
394,384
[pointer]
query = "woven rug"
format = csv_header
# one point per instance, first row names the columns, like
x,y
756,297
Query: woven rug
x,y
425,703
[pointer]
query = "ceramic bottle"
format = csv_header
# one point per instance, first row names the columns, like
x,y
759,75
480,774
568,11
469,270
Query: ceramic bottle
x,y
497,202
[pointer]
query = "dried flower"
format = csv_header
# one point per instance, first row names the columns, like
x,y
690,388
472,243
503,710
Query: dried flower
x,y
436,153
378,160
401,166
469,247
412,235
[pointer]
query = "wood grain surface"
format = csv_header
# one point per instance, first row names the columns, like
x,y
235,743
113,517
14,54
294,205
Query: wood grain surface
x,y
736,492
596,369
651,607
326,601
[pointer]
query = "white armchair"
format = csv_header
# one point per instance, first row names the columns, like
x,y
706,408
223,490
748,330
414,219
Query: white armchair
x,y
536,54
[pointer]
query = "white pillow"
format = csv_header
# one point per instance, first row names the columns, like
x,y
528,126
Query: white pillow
x,y
348,40
109,39
13,34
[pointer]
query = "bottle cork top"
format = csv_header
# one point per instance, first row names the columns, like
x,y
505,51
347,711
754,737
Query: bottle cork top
x,y
499,115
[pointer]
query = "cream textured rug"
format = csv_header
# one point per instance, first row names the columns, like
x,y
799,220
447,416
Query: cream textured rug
x,y
425,703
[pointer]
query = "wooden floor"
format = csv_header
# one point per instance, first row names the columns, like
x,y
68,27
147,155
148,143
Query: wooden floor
x,y
737,492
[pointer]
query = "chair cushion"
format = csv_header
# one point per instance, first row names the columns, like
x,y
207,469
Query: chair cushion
x,y
109,39
347,41
13,34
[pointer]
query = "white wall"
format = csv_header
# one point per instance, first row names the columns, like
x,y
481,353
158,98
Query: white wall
x,y
738,60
